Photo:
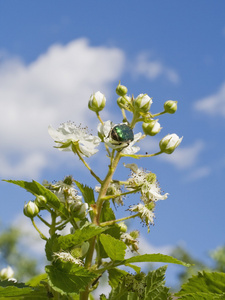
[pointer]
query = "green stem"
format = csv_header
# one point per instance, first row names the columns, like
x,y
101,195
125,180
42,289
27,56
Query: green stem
x,y
108,197
41,234
158,114
99,203
136,116
43,220
141,155
100,119
107,223
87,166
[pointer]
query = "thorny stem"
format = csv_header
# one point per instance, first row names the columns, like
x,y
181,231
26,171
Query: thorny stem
x,y
99,203
107,223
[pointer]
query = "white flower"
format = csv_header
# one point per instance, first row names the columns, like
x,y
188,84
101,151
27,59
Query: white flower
x,y
146,215
104,132
66,256
6,273
169,143
147,182
68,135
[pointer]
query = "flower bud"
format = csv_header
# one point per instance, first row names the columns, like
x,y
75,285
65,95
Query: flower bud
x,y
169,143
142,103
82,211
97,102
152,127
121,90
125,102
40,201
170,106
6,273
123,227
30,209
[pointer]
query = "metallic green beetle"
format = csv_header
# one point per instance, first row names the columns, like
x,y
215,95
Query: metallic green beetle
x,y
121,134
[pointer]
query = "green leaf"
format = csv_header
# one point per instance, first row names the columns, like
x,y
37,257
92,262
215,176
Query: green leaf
x,y
114,231
87,192
114,248
203,286
69,278
154,258
107,213
79,236
115,276
12,289
36,280
136,268
37,189
155,285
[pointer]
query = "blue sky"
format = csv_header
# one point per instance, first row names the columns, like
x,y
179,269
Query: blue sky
x,y
54,54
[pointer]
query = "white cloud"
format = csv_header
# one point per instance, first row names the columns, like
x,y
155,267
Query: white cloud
x,y
184,157
198,173
153,69
213,105
52,89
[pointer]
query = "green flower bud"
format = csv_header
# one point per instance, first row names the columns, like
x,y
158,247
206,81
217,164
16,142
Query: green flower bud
x,y
30,209
142,103
6,273
151,128
123,226
121,90
170,106
125,102
169,143
40,201
97,102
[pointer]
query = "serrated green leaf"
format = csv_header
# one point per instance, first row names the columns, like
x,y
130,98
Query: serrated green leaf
x,y
36,280
114,248
87,192
37,189
135,268
69,278
155,258
107,213
114,231
155,285
79,236
115,276
211,283
12,289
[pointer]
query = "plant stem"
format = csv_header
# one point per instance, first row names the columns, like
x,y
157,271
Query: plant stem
x,y
88,167
100,200
107,223
141,155
41,234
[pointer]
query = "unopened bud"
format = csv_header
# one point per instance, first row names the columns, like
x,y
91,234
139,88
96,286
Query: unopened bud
x,y
170,106
97,102
121,90
40,201
151,128
123,227
6,273
30,209
142,103
169,143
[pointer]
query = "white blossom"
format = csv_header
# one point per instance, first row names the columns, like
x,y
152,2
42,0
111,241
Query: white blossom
x,y
66,256
7,273
146,215
147,183
69,134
